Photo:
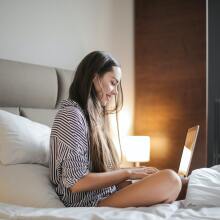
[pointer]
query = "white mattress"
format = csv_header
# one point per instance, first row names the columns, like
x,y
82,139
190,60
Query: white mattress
x,y
172,211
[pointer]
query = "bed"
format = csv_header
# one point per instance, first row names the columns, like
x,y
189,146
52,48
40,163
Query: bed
x,y
29,97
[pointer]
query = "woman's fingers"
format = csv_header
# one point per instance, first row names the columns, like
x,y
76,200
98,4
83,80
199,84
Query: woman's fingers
x,y
151,170
141,172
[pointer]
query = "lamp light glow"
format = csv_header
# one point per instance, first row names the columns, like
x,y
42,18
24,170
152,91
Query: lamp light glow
x,y
137,148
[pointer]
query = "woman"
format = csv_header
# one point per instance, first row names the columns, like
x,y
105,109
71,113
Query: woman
x,y
84,166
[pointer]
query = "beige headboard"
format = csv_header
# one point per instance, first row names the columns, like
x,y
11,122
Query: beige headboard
x,y
33,91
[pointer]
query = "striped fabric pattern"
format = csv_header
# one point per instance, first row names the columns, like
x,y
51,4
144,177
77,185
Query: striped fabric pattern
x,y
69,156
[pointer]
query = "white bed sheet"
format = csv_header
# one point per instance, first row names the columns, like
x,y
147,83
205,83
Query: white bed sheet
x,y
174,211
195,207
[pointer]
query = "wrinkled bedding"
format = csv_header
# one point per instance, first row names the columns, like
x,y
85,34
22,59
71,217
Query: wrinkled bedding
x,y
202,202
172,211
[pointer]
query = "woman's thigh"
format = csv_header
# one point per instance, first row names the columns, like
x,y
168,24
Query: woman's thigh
x,y
160,187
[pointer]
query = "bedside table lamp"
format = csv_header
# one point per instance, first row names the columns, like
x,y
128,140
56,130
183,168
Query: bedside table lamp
x,y
137,149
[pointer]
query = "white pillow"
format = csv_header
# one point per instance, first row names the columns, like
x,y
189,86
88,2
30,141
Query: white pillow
x,y
22,140
27,185
204,187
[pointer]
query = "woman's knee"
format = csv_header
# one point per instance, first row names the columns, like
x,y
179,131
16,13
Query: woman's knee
x,y
172,176
173,182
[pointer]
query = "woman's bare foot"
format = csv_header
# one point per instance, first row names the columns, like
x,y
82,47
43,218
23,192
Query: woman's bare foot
x,y
182,194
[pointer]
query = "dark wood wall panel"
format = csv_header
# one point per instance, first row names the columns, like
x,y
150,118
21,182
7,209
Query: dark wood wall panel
x,y
170,77
213,139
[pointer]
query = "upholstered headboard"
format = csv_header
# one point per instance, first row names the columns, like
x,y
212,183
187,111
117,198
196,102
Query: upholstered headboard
x,y
33,91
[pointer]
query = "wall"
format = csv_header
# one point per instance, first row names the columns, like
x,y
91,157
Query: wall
x,y
170,77
60,33
213,83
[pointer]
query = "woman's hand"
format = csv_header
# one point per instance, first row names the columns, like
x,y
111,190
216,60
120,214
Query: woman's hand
x,y
141,172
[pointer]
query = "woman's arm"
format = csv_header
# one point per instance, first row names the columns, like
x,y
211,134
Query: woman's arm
x,y
100,180
94,181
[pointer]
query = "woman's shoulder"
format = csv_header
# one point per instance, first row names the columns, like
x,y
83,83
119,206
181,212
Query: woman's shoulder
x,y
69,120
70,110
69,103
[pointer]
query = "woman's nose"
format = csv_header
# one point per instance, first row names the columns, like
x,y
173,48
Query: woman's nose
x,y
115,91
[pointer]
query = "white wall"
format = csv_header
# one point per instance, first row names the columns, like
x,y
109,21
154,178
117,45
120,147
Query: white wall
x,y
60,33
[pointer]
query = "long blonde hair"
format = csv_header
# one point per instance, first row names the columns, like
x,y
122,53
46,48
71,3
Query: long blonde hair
x,y
102,150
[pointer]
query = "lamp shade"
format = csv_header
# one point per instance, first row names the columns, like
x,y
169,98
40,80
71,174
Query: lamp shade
x,y
137,148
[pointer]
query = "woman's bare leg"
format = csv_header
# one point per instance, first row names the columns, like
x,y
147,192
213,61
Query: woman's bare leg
x,y
160,187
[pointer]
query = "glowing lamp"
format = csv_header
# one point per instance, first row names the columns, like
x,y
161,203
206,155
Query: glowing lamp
x,y
137,149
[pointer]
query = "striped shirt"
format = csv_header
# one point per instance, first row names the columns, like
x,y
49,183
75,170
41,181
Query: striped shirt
x,y
70,157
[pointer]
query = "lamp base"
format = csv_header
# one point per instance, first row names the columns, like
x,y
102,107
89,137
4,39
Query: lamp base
x,y
137,164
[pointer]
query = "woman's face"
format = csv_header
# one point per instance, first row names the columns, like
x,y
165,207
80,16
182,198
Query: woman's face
x,y
107,86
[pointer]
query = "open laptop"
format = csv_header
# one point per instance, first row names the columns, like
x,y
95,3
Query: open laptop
x,y
187,153
188,150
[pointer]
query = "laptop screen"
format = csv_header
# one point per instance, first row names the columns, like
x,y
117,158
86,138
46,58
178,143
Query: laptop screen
x,y
188,150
